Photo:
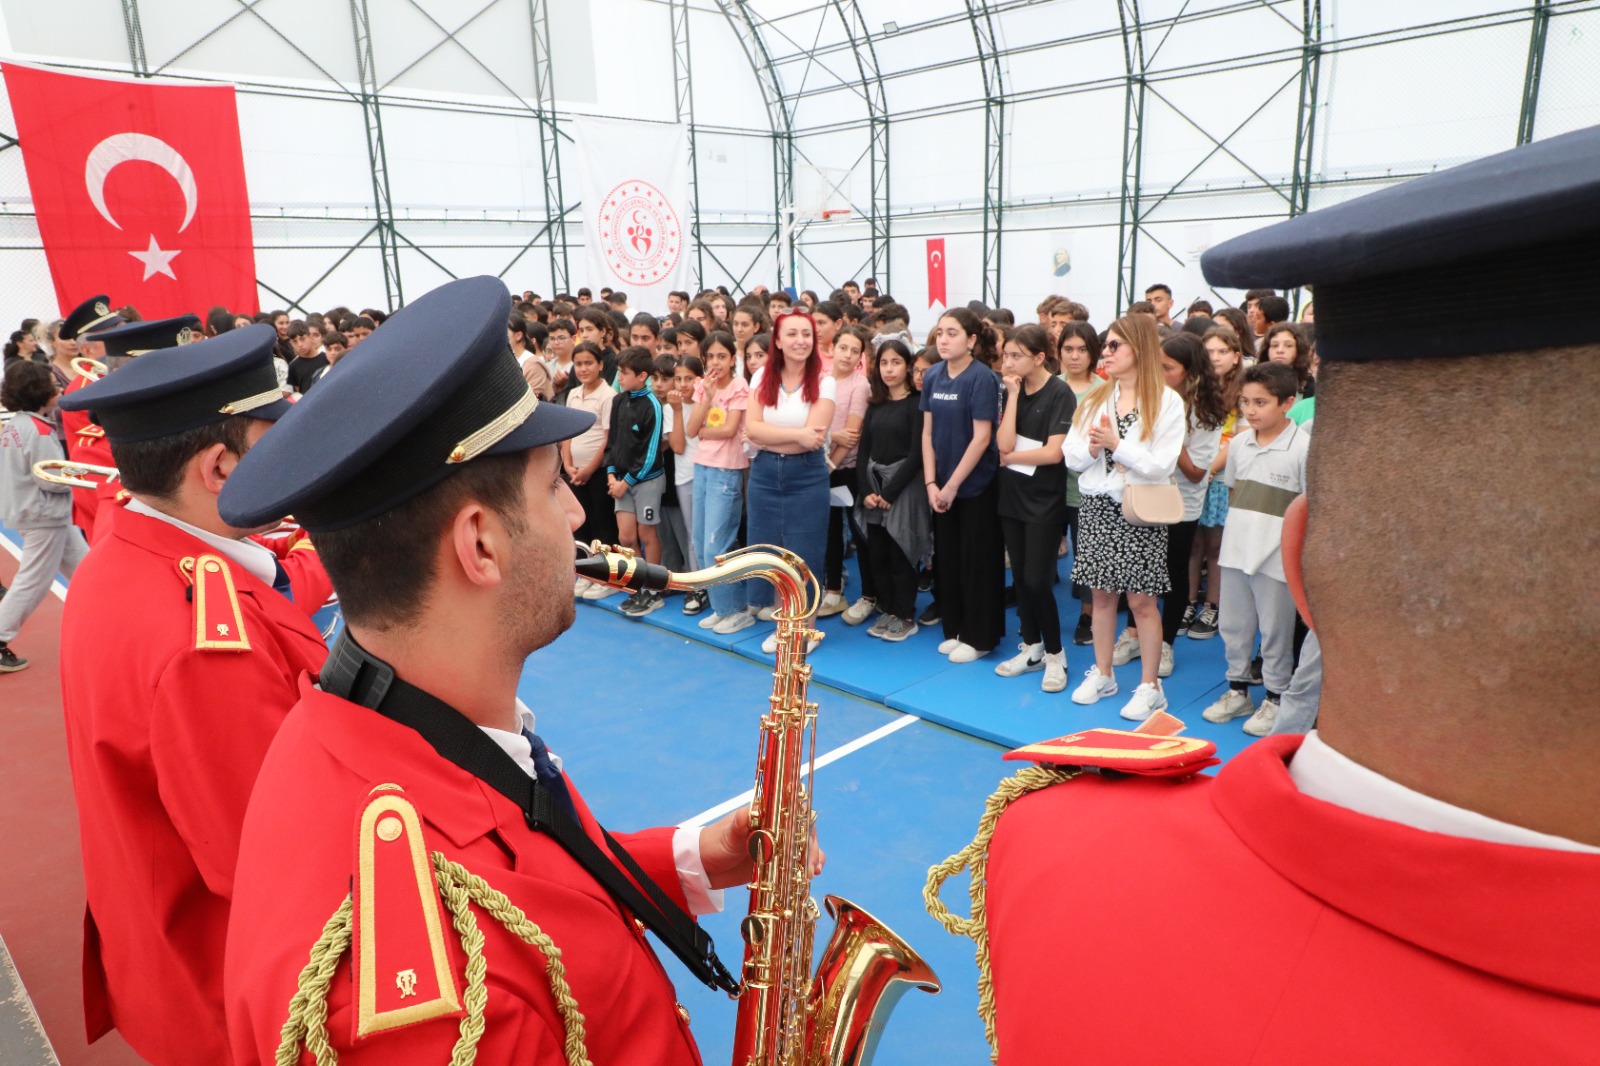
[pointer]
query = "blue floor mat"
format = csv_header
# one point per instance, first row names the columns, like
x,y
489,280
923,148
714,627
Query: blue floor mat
x,y
912,676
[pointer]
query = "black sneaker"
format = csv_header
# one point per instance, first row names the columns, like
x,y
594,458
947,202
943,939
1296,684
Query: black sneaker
x,y
1084,633
1188,619
10,661
1204,626
634,605
930,615
695,602
925,581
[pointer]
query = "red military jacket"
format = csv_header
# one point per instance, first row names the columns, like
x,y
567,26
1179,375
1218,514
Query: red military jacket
x,y
1237,920
177,668
86,443
298,861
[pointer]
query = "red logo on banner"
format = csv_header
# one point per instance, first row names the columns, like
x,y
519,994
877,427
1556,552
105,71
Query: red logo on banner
x,y
936,288
640,234
139,190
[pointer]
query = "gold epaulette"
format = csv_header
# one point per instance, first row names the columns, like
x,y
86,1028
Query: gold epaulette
x,y
402,968
92,430
218,619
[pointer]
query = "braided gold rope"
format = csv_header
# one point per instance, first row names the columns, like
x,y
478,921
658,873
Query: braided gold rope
x,y
307,1024
976,856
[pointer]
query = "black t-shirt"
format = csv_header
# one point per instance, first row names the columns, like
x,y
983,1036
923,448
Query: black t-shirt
x,y
302,372
1041,497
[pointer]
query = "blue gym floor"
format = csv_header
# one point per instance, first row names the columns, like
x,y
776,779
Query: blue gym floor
x,y
656,721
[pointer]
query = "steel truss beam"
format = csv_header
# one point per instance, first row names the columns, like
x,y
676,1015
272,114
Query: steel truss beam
x,y
781,117
383,205
683,97
1530,80
859,37
138,62
1133,102
549,147
994,147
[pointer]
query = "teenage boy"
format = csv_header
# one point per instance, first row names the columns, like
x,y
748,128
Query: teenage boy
x,y
1266,471
558,351
1160,297
308,359
635,466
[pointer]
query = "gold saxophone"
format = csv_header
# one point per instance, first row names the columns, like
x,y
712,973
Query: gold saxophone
x,y
786,1017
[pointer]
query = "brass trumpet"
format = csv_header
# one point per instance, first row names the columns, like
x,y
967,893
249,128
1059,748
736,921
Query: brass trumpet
x,y
786,1016
92,369
67,472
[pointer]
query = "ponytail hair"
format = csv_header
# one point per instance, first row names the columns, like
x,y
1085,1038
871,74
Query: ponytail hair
x,y
1034,340
983,350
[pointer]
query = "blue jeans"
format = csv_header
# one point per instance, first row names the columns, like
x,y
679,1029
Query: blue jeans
x,y
718,506
788,506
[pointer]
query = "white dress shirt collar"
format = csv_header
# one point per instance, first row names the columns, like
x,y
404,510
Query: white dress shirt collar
x,y
1323,773
259,561
515,744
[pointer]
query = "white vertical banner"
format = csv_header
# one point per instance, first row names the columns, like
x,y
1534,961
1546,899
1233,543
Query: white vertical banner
x,y
634,180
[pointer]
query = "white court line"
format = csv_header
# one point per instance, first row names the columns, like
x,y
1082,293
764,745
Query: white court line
x,y
705,817
55,586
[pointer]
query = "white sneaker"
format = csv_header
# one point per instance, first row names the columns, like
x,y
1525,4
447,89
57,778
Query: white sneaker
x,y
832,603
597,591
1055,672
1126,648
1266,716
948,646
966,653
1165,669
1094,687
710,621
770,645
1029,657
1232,704
580,586
859,611
767,614
1147,699
734,622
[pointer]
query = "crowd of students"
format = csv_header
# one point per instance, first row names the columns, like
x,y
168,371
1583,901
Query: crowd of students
x,y
822,426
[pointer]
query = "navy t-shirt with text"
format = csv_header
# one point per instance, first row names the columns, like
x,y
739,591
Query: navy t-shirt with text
x,y
954,403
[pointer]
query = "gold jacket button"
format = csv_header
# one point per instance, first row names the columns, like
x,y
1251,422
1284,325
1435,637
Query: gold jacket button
x,y
683,1012
637,924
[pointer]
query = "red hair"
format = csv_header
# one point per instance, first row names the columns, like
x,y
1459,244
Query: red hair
x,y
811,386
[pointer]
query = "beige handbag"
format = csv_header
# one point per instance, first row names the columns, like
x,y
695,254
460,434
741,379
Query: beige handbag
x,y
1150,505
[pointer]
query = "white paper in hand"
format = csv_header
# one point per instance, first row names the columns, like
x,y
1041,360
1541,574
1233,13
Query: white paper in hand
x,y
839,496
1025,444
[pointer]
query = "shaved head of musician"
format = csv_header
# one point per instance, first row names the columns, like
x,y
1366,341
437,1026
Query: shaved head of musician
x,y
1409,880
181,646
428,473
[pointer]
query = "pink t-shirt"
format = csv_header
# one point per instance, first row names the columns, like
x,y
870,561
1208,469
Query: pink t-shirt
x,y
726,453
850,398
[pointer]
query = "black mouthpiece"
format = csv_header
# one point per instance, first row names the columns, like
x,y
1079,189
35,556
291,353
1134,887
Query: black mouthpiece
x,y
624,571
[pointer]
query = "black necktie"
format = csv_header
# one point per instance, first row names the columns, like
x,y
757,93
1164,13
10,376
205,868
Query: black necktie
x,y
280,581
544,769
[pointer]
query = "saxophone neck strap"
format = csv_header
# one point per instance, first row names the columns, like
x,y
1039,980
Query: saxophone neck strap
x,y
351,673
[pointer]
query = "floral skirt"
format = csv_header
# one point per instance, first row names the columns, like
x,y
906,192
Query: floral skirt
x,y
1114,556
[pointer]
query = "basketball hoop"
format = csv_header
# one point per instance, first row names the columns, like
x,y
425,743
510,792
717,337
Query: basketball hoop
x,y
835,213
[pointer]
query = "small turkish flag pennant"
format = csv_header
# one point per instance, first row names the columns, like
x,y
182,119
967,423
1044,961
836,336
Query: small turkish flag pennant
x,y
936,288
139,190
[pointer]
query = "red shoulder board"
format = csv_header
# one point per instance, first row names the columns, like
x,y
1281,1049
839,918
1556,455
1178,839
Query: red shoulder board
x,y
1129,753
400,961
92,430
218,619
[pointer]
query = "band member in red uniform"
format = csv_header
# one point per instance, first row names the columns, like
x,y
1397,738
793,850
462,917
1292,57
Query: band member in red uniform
x,y
429,475
1414,880
85,442
180,656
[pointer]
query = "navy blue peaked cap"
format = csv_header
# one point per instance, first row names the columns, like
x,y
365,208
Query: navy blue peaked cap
x,y
431,389
94,313
174,390
141,338
1478,259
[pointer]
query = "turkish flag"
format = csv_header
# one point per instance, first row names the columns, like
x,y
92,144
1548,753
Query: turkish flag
x,y
936,289
139,190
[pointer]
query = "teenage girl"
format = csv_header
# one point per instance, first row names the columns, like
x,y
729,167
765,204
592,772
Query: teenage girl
x,y
1033,499
890,506
961,399
1227,361
844,434
1078,348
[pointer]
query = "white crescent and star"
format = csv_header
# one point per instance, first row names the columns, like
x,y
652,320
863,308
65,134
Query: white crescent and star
x,y
128,147
935,258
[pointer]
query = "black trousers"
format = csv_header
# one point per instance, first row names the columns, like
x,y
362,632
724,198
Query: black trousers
x,y
1180,540
1082,593
970,568
599,510
1032,546
833,557
893,575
